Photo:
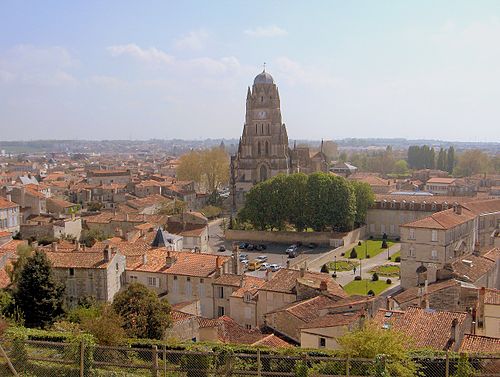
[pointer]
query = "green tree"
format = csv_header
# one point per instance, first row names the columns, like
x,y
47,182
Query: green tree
x,y
295,196
171,207
441,163
450,160
107,327
144,314
256,207
370,340
91,236
401,167
38,294
471,162
364,200
23,252
464,367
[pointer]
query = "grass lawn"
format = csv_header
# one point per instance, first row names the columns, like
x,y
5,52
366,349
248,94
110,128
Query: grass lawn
x,y
361,287
386,270
342,265
394,256
371,246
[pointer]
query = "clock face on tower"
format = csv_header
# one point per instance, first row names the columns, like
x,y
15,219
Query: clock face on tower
x,y
262,114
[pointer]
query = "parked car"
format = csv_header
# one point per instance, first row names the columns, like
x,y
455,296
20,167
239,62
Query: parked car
x,y
243,256
274,267
265,266
250,247
243,245
312,245
222,248
291,249
258,247
254,265
263,247
262,258
293,253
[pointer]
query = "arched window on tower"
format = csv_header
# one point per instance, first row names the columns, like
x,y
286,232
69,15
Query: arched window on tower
x,y
263,173
267,148
255,128
268,128
258,148
262,129
262,99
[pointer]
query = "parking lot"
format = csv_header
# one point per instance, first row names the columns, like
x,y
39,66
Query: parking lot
x,y
276,253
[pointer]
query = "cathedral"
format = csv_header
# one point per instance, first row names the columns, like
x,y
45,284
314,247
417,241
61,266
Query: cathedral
x,y
263,149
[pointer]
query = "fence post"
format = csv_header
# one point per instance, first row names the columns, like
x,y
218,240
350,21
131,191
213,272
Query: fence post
x,y
447,365
9,364
164,360
259,367
154,361
347,366
82,358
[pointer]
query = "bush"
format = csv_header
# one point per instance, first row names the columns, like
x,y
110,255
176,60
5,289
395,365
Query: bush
x,y
211,211
384,244
353,254
398,259
301,369
384,236
371,293
371,237
325,269
375,277
357,277
342,254
388,281
367,256
398,239
359,243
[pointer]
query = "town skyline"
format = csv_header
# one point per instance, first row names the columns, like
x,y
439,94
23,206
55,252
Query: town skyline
x,y
374,70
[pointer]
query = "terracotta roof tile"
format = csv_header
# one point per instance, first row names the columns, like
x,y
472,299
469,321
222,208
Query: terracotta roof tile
x,y
480,344
333,320
428,328
491,296
442,220
4,204
410,295
471,268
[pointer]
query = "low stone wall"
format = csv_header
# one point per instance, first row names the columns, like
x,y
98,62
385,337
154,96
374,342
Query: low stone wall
x,y
257,236
321,238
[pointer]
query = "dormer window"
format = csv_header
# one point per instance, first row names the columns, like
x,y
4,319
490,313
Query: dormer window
x,y
248,297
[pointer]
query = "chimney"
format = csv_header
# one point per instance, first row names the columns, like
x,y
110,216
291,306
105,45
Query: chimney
x,y
268,274
458,209
169,260
9,197
126,217
106,254
475,251
302,271
480,308
119,232
144,258
323,286
54,247
77,246
454,331
388,305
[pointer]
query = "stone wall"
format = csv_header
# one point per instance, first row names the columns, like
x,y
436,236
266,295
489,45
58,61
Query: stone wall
x,y
321,238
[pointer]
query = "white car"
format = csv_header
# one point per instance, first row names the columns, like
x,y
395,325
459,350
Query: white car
x,y
261,258
274,267
292,249
265,266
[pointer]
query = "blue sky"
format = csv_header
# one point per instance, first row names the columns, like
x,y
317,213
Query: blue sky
x,y
160,69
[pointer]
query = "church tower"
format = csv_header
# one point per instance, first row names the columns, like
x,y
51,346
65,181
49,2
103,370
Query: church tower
x,y
263,148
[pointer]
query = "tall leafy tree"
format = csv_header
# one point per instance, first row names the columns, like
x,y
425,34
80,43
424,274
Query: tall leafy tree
x,y
450,163
295,197
38,293
144,314
441,160
364,200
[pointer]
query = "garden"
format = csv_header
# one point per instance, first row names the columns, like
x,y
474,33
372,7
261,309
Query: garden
x,y
369,249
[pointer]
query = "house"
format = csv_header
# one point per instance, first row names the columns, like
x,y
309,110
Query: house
x,y
89,274
343,169
47,226
193,227
236,296
434,241
450,186
390,211
427,328
9,216
288,285
61,207
106,177
378,185
488,313
481,344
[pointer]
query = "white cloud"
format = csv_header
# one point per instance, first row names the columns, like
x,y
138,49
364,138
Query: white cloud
x,y
266,32
194,40
150,55
295,73
107,81
35,65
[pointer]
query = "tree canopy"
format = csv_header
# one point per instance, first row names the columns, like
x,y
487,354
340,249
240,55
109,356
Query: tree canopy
x,y
319,201
38,294
209,168
144,314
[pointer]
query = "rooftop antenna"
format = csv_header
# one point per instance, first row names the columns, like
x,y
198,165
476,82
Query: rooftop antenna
x,y
264,67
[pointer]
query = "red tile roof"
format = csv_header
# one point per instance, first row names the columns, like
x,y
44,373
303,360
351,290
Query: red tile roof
x,y
480,344
491,296
442,220
426,327
5,204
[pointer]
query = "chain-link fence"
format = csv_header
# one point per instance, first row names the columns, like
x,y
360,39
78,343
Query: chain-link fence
x,y
78,359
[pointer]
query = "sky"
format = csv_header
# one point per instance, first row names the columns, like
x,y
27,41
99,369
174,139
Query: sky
x,y
180,69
